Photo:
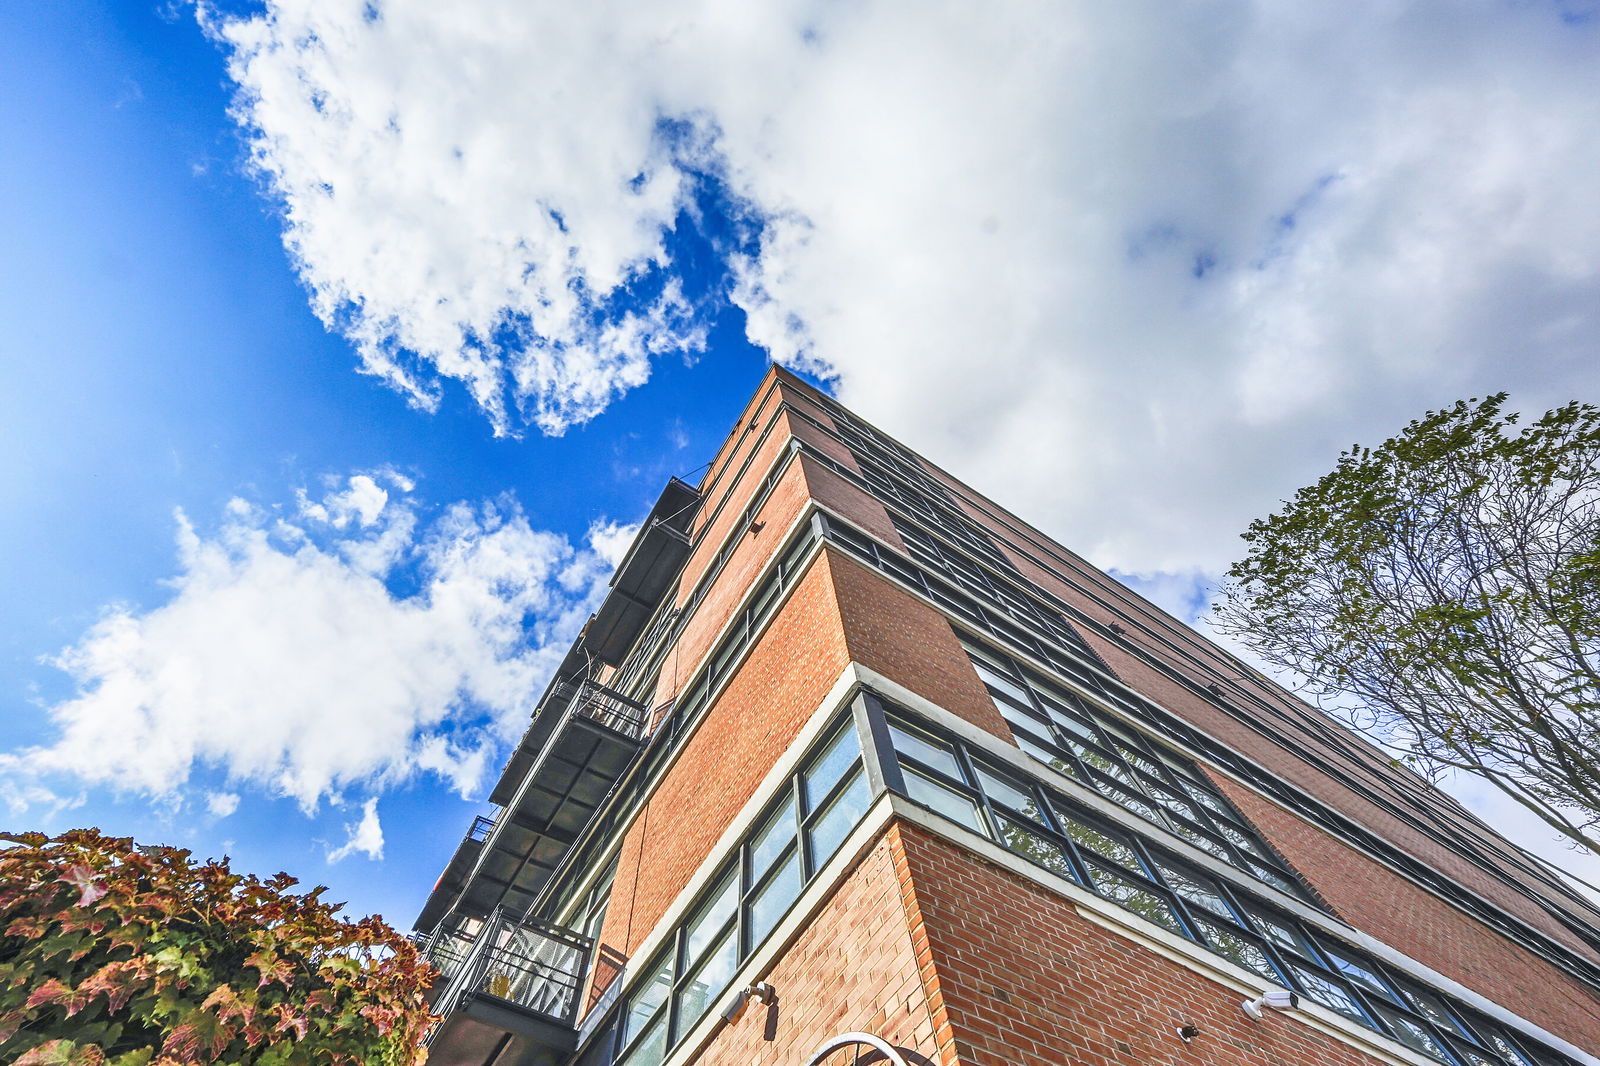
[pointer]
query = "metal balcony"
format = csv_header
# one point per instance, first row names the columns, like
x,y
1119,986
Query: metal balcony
x,y
579,744
508,994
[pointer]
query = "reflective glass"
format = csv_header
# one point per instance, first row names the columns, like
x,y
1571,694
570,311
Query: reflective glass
x,y
1242,950
771,839
1358,973
994,678
646,1002
1043,754
1102,844
1330,995
831,765
1197,892
707,983
1035,848
1140,901
770,903
926,750
1007,792
951,804
709,919
652,1047
1413,1034
835,823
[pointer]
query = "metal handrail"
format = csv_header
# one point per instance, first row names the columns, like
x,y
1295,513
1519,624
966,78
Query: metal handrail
x,y
606,707
535,965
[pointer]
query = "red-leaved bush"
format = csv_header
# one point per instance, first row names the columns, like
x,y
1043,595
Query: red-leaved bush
x,y
138,956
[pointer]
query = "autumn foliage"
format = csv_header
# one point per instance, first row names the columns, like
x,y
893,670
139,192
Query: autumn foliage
x,y
138,956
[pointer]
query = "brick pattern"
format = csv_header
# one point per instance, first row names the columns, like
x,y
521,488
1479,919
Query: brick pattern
x,y
1021,979
772,694
1374,899
908,641
700,631
853,969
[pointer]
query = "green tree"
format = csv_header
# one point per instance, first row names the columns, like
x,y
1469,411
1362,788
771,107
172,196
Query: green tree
x,y
1446,585
124,955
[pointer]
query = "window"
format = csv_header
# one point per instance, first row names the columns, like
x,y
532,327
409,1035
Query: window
x,y
1041,824
1063,731
795,836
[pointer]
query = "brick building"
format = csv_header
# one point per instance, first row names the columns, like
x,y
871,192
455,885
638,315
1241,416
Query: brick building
x,y
854,762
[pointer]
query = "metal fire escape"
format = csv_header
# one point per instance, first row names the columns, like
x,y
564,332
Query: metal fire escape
x,y
509,986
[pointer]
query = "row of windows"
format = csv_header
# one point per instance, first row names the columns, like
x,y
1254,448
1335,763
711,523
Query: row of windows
x,y
965,605
1412,794
1045,827
896,474
792,840
1004,594
1345,746
1065,732
1081,669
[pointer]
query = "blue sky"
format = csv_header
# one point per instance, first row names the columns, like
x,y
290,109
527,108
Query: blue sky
x,y
343,341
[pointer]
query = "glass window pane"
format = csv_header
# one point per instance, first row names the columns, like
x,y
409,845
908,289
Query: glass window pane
x,y
835,823
951,804
1035,848
926,750
1102,844
1043,753
1138,900
772,838
1204,841
1413,1034
703,986
770,903
646,1003
1239,838
1275,879
1197,891
709,919
1330,995
1135,758
1241,949
1214,804
998,680
1509,1051
1358,973
830,766
1172,801
1125,799
1281,933
652,1047
1008,792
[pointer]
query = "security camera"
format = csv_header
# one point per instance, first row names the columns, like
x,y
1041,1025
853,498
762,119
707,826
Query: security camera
x,y
1277,1000
760,990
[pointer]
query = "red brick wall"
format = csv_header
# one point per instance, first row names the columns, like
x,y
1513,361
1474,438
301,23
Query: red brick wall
x,y
771,695
752,551
1373,898
853,969
1024,980
908,641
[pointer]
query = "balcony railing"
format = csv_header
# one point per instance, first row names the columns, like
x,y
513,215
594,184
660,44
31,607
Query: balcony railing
x,y
532,965
616,712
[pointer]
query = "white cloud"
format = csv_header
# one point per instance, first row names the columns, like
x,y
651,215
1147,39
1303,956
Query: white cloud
x,y
1145,266
284,660
365,836
1141,269
611,540
222,804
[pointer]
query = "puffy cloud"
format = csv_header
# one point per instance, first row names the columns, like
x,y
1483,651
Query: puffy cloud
x,y
1146,266
365,836
349,642
222,804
